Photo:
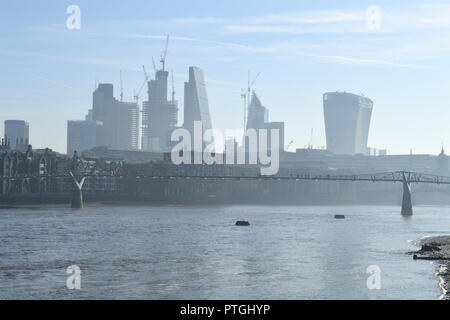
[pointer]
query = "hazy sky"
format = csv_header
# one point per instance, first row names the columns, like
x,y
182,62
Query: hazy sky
x,y
301,48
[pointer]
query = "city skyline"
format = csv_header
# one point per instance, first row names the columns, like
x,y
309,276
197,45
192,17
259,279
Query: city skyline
x,y
302,50
225,156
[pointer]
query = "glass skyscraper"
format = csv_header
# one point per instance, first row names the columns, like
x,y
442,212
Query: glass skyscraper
x,y
347,121
196,106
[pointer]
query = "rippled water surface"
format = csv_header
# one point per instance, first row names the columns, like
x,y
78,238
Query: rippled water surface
x,y
197,252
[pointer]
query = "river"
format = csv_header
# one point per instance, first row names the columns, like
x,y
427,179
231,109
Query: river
x,y
178,252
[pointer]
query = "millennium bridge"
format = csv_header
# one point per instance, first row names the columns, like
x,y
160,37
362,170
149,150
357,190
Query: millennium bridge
x,y
406,178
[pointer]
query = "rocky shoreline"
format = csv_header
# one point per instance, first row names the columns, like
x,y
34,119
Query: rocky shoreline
x,y
437,248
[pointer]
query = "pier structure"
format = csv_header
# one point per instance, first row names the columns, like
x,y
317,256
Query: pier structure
x,y
406,199
77,194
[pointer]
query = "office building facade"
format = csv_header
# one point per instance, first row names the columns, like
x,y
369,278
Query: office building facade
x,y
81,135
347,121
257,114
17,134
159,115
196,106
258,118
119,121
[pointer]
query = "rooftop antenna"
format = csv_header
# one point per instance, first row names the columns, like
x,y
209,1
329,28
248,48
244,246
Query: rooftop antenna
x,y
164,55
173,88
145,73
121,87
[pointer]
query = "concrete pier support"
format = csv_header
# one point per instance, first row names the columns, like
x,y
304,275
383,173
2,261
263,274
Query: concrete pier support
x,y
406,202
77,194
77,199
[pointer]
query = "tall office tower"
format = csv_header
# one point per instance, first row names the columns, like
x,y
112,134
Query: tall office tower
x,y
258,118
81,135
119,120
127,125
257,113
159,115
17,134
347,122
103,111
196,107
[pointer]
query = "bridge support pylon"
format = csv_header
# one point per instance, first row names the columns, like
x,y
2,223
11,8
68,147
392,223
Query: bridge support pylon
x,y
77,199
406,201
77,193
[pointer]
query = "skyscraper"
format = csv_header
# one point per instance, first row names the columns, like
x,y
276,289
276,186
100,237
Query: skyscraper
x,y
17,134
258,118
159,115
257,113
81,135
119,120
127,129
196,107
347,121
103,112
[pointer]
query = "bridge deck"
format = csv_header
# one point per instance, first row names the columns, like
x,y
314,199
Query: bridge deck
x,y
397,176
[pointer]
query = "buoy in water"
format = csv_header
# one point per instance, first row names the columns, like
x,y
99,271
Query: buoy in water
x,y
242,223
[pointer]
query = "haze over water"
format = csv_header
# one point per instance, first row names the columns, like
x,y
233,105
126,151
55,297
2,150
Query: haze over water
x,y
288,252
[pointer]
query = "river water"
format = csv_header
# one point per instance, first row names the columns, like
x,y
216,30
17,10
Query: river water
x,y
288,252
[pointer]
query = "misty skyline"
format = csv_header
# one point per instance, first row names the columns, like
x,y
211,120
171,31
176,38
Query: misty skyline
x,y
301,49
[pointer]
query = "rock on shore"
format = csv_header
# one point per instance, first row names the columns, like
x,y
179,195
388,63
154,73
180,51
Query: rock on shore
x,y
437,248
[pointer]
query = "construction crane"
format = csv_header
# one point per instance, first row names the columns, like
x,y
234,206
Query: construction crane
x,y
164,55
145,72
136,95
250,84
154,66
